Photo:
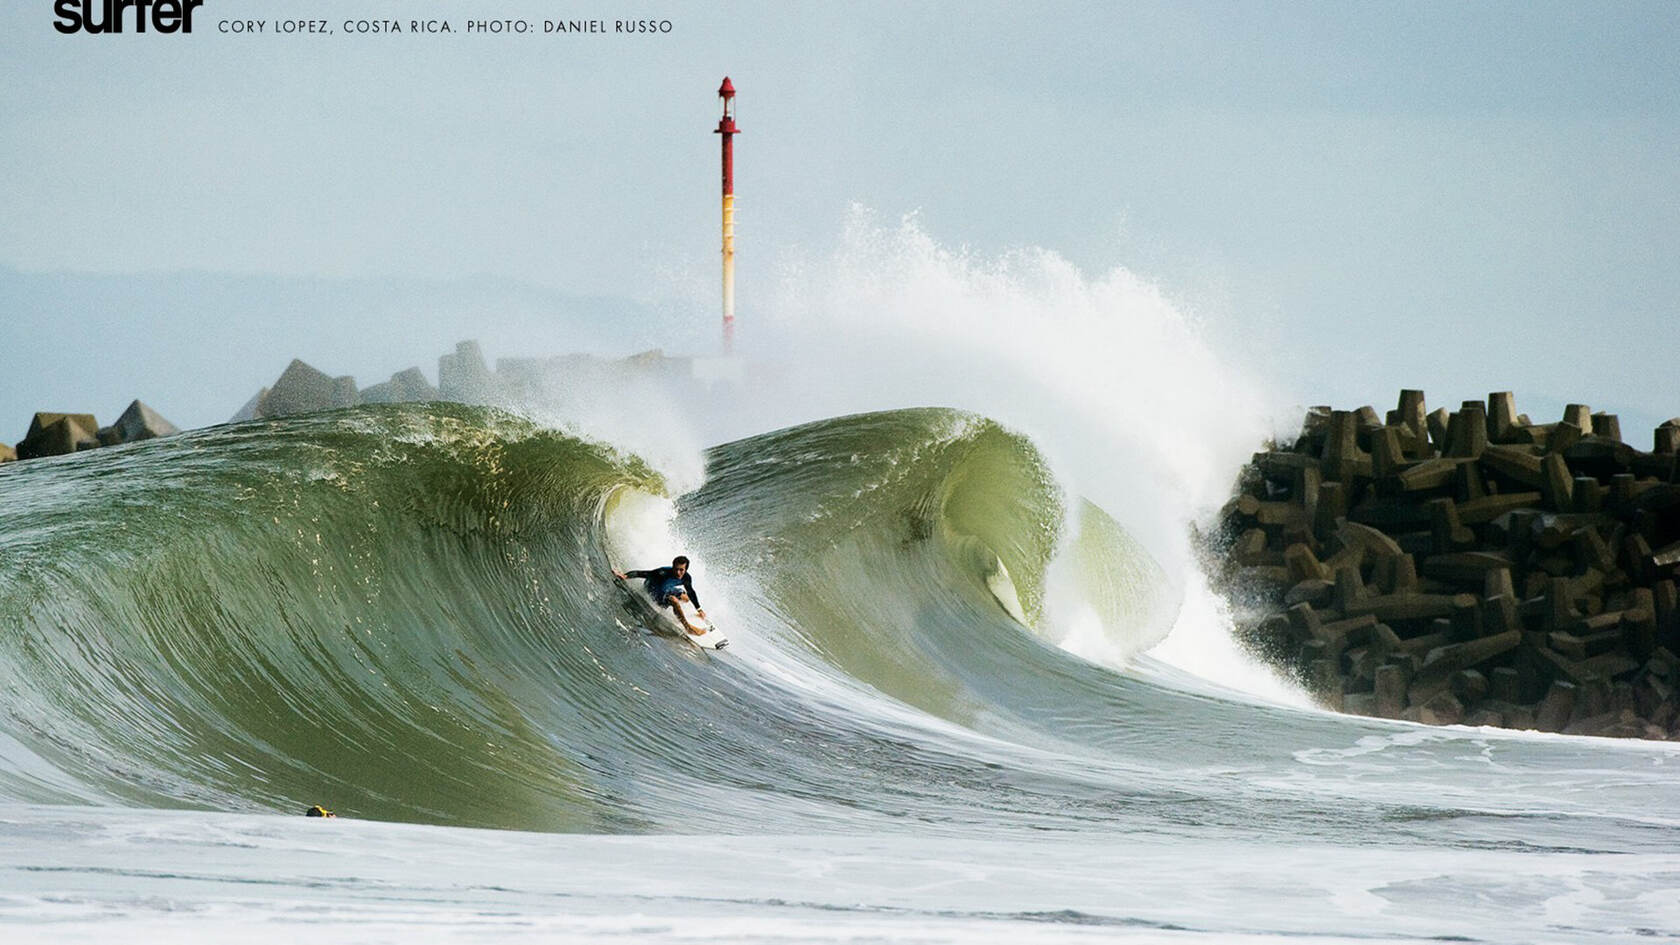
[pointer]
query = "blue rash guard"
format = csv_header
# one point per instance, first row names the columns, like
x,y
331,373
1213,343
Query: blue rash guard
x,y
661,583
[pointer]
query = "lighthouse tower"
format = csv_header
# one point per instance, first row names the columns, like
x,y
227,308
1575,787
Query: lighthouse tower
x,y
726,128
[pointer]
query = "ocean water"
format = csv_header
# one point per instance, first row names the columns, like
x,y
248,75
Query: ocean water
x,y
976,688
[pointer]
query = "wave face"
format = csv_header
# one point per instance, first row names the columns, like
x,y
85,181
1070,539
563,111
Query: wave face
x,y
405,612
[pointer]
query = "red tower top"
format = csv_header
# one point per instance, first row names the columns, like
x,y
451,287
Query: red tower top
x,y
726,94
726,127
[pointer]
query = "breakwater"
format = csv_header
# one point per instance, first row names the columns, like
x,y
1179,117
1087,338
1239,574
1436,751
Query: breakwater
x,y
1465,566
463,377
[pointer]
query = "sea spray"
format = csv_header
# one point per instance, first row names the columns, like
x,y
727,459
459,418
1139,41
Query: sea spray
x,y
1113,381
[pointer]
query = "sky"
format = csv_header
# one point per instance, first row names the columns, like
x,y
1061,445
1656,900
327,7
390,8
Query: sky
x,y
1347,198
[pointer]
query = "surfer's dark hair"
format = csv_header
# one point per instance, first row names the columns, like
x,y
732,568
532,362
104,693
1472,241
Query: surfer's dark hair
x,y
679,559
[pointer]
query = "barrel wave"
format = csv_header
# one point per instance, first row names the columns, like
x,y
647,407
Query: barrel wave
x,y
406,612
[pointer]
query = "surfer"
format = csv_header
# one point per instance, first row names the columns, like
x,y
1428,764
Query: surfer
x,y
671,587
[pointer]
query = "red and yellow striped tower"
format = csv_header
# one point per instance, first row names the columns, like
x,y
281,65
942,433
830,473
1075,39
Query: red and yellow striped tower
x,y
726,127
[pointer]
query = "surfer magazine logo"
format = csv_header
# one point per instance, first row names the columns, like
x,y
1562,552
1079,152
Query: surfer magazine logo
x,y
117,16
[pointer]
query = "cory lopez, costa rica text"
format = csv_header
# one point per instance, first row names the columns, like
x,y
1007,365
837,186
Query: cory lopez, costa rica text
x,y
166,16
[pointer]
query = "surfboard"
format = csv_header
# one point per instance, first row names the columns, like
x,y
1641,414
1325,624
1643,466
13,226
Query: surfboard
x,y
660,620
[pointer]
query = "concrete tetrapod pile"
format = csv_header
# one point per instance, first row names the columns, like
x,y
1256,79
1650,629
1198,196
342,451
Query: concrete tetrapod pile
x,y
57,434
1466,567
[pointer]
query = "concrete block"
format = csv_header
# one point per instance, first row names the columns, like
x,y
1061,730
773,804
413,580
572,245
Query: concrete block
x,y
1591,551
1324,681
1521,718
7,454
1443,661
1339,635
406,386
1469,686
1556,709
1314,592
1281,467
1581,645
1485,718
39,423
140,422
1403,576
1560,605
1342,457
1501,416
1307,483
1429,474
1386,454
1469,568
1496,582
1603,457
1563,437
1604,666
252,409
1499,614
1588,494
1392,681
1437,424
1446,532
1467,430
1305,621
1661,560
1607,725
1535,436
1303,565
1515,463
1466,621
1389,608
1349,589
1666,597
302,389
58,434
1250,548
1359,703
1666,440
1580,415
1505,684
1267,582
1639,624
1559,485
1607,425
1410,447
463,375
1469,485
1441,709
1332,507
1413,413
1592,698
1376,544
1621,491
1281,514
1622,698
1314,425
1420,646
